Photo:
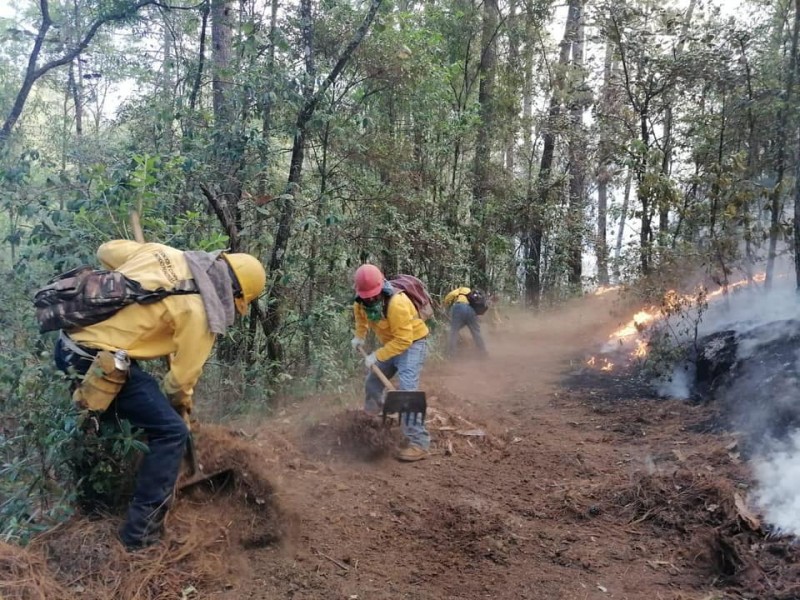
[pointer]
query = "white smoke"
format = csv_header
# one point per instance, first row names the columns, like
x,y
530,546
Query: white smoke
x,y
765,392
679,384
778,495
751,307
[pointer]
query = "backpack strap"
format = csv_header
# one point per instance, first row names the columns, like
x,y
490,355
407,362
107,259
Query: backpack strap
x,y
181,288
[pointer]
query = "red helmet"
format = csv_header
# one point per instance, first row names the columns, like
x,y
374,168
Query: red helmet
x,y
369,281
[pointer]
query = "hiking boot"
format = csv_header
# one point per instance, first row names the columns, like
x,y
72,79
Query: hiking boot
x,y
412,454
143,527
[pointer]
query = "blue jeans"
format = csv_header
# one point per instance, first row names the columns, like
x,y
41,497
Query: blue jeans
x,y
408,367
145,406
463,315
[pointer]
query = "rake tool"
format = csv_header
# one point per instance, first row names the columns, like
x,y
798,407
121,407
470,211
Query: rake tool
x,y
411,404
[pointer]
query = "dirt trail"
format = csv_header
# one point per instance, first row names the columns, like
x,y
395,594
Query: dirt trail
x,y
538,486
543,507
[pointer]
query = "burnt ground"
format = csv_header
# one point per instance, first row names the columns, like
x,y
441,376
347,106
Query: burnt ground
x,y
594,490
539,486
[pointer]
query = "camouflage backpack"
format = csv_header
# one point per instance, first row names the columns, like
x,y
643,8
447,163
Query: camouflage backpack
x,y
85,296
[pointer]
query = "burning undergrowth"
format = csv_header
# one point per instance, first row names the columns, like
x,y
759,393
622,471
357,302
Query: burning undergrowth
x,y
354,433
83,557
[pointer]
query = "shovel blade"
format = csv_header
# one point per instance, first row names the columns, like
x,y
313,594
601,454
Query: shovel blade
x,y
410,404
213,482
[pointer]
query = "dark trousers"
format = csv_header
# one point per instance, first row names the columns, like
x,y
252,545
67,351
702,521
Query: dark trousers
x,y
463,315
145,406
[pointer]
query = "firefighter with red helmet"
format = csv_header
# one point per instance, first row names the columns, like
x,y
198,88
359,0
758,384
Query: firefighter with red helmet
x,y
397,325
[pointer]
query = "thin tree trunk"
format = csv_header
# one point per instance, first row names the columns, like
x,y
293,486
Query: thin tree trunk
x,y
34,73
269,91
785,123
645,235
201,58
626,195
540,193
276,294
666,161
604,169
482,165
577,156
167,91
796,224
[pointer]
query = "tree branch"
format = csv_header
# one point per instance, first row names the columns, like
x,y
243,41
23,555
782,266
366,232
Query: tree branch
x,y
224,218
355,41
32,74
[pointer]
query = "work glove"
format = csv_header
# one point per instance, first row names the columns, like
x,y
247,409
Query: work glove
x,y
89,422
370,359
182,403
357,343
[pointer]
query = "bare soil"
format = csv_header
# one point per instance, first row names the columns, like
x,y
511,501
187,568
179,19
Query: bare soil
x,y
535,488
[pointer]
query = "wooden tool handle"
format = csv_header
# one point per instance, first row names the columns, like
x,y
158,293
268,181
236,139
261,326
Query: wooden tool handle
x,y
378,373
136,225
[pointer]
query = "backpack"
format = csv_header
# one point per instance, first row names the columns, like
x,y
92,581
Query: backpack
x,y
477,300
416,292
85,296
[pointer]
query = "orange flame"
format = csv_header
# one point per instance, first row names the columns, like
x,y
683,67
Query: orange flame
x,y
604,364
636,324
671,303
604,289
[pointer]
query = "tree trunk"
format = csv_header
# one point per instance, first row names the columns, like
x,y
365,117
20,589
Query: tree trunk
x,y
666,161
276,293
33,74
577,155
785,124
201,58
167,91
604,169
645,234
539,194
796,224
267,95
482,166
626,194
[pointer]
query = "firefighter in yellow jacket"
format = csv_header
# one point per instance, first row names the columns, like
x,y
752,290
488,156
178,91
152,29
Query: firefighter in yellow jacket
x,y
462,314
394,319
182,327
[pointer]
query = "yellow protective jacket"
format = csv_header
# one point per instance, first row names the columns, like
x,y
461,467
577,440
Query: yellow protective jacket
x,y
400,328
176,325
458,295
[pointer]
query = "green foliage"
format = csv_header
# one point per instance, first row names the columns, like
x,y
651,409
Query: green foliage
x,y
37,426
673,337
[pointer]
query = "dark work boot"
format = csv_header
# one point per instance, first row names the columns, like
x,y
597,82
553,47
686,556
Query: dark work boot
x,y
144,526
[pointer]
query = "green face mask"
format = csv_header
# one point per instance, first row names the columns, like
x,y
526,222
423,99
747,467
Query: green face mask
x,y
374,311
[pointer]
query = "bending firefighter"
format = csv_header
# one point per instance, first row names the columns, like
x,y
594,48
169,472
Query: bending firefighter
x,y
394,319
181,326
464,314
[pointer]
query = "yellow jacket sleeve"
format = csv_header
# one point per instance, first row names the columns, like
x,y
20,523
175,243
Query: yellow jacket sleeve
x,y
401,316
115,253
361,321
193,343
457,295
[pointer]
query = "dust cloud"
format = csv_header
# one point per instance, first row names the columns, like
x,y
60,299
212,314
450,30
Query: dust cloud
x,y
521,342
